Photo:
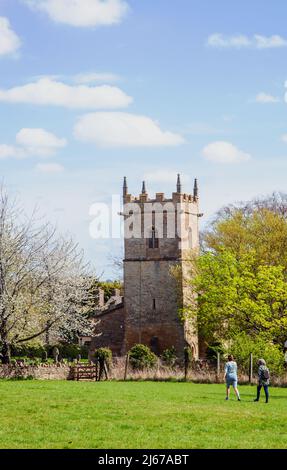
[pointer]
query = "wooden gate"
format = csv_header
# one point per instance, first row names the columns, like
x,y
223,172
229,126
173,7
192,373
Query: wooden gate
x,y
85,372
89,371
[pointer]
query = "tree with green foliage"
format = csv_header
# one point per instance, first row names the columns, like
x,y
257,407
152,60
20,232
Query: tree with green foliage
x,y
235,295
258,226
239,279
108,288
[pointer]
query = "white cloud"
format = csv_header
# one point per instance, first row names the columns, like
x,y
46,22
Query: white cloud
x,y
39,141
224,152
9,41
49,92
239,41
221,41
263,42
264,98
93,77
115,129
49,168
82,13
32,143
10,151
284,138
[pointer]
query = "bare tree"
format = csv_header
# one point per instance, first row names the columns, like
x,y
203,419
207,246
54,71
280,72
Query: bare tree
x,y
117,263
276,202
44,284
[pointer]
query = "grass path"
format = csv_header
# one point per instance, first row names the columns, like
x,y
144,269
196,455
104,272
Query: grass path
x,y
38,414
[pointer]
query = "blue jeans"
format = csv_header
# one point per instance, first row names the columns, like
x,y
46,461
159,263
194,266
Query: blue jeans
x,y
266,390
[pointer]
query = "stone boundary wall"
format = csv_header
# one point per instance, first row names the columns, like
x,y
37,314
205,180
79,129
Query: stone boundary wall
x,y
117,373
40,372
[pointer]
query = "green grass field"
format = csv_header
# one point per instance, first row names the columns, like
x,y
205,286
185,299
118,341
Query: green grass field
x,y
38,414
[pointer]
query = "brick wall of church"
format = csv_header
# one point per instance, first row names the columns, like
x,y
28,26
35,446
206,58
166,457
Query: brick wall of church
x,y
111,328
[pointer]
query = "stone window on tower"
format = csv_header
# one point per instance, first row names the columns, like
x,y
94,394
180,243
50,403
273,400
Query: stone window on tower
x,y
153,239
131,224
190,238
165,222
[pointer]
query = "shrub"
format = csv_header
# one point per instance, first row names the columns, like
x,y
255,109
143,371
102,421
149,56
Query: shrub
x,y
188,356
69,351
104,355
243,345
30,350
169,357
37,351
142,357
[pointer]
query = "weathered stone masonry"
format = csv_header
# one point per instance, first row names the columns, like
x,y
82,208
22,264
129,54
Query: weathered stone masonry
x,y
152,297
40,372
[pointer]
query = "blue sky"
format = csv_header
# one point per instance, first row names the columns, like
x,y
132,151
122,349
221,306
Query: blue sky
x,y
144,89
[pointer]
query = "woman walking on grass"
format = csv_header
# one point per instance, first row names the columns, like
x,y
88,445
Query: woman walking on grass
x,y
263,380
230,376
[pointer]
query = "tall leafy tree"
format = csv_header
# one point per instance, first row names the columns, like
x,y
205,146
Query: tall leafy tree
x,y
239,280
235,295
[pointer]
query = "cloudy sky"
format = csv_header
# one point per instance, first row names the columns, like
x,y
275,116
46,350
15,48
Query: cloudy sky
x,y
94,90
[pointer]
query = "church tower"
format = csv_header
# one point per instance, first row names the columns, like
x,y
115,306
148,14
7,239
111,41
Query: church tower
x,y
160,233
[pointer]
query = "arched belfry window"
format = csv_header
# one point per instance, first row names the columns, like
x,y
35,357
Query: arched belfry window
x,y
153,239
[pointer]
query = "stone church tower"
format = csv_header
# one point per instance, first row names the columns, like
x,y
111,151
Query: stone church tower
x,y
160,232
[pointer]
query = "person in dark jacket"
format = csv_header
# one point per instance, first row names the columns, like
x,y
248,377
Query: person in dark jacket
x,y
263,380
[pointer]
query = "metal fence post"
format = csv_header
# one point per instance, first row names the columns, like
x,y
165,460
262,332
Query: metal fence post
x,y
186,363
218,366
251,369
126,366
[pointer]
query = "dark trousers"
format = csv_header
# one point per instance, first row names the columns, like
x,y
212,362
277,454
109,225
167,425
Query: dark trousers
x,y
266,390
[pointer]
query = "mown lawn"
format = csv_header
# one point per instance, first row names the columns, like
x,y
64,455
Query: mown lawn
x,y
38,414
